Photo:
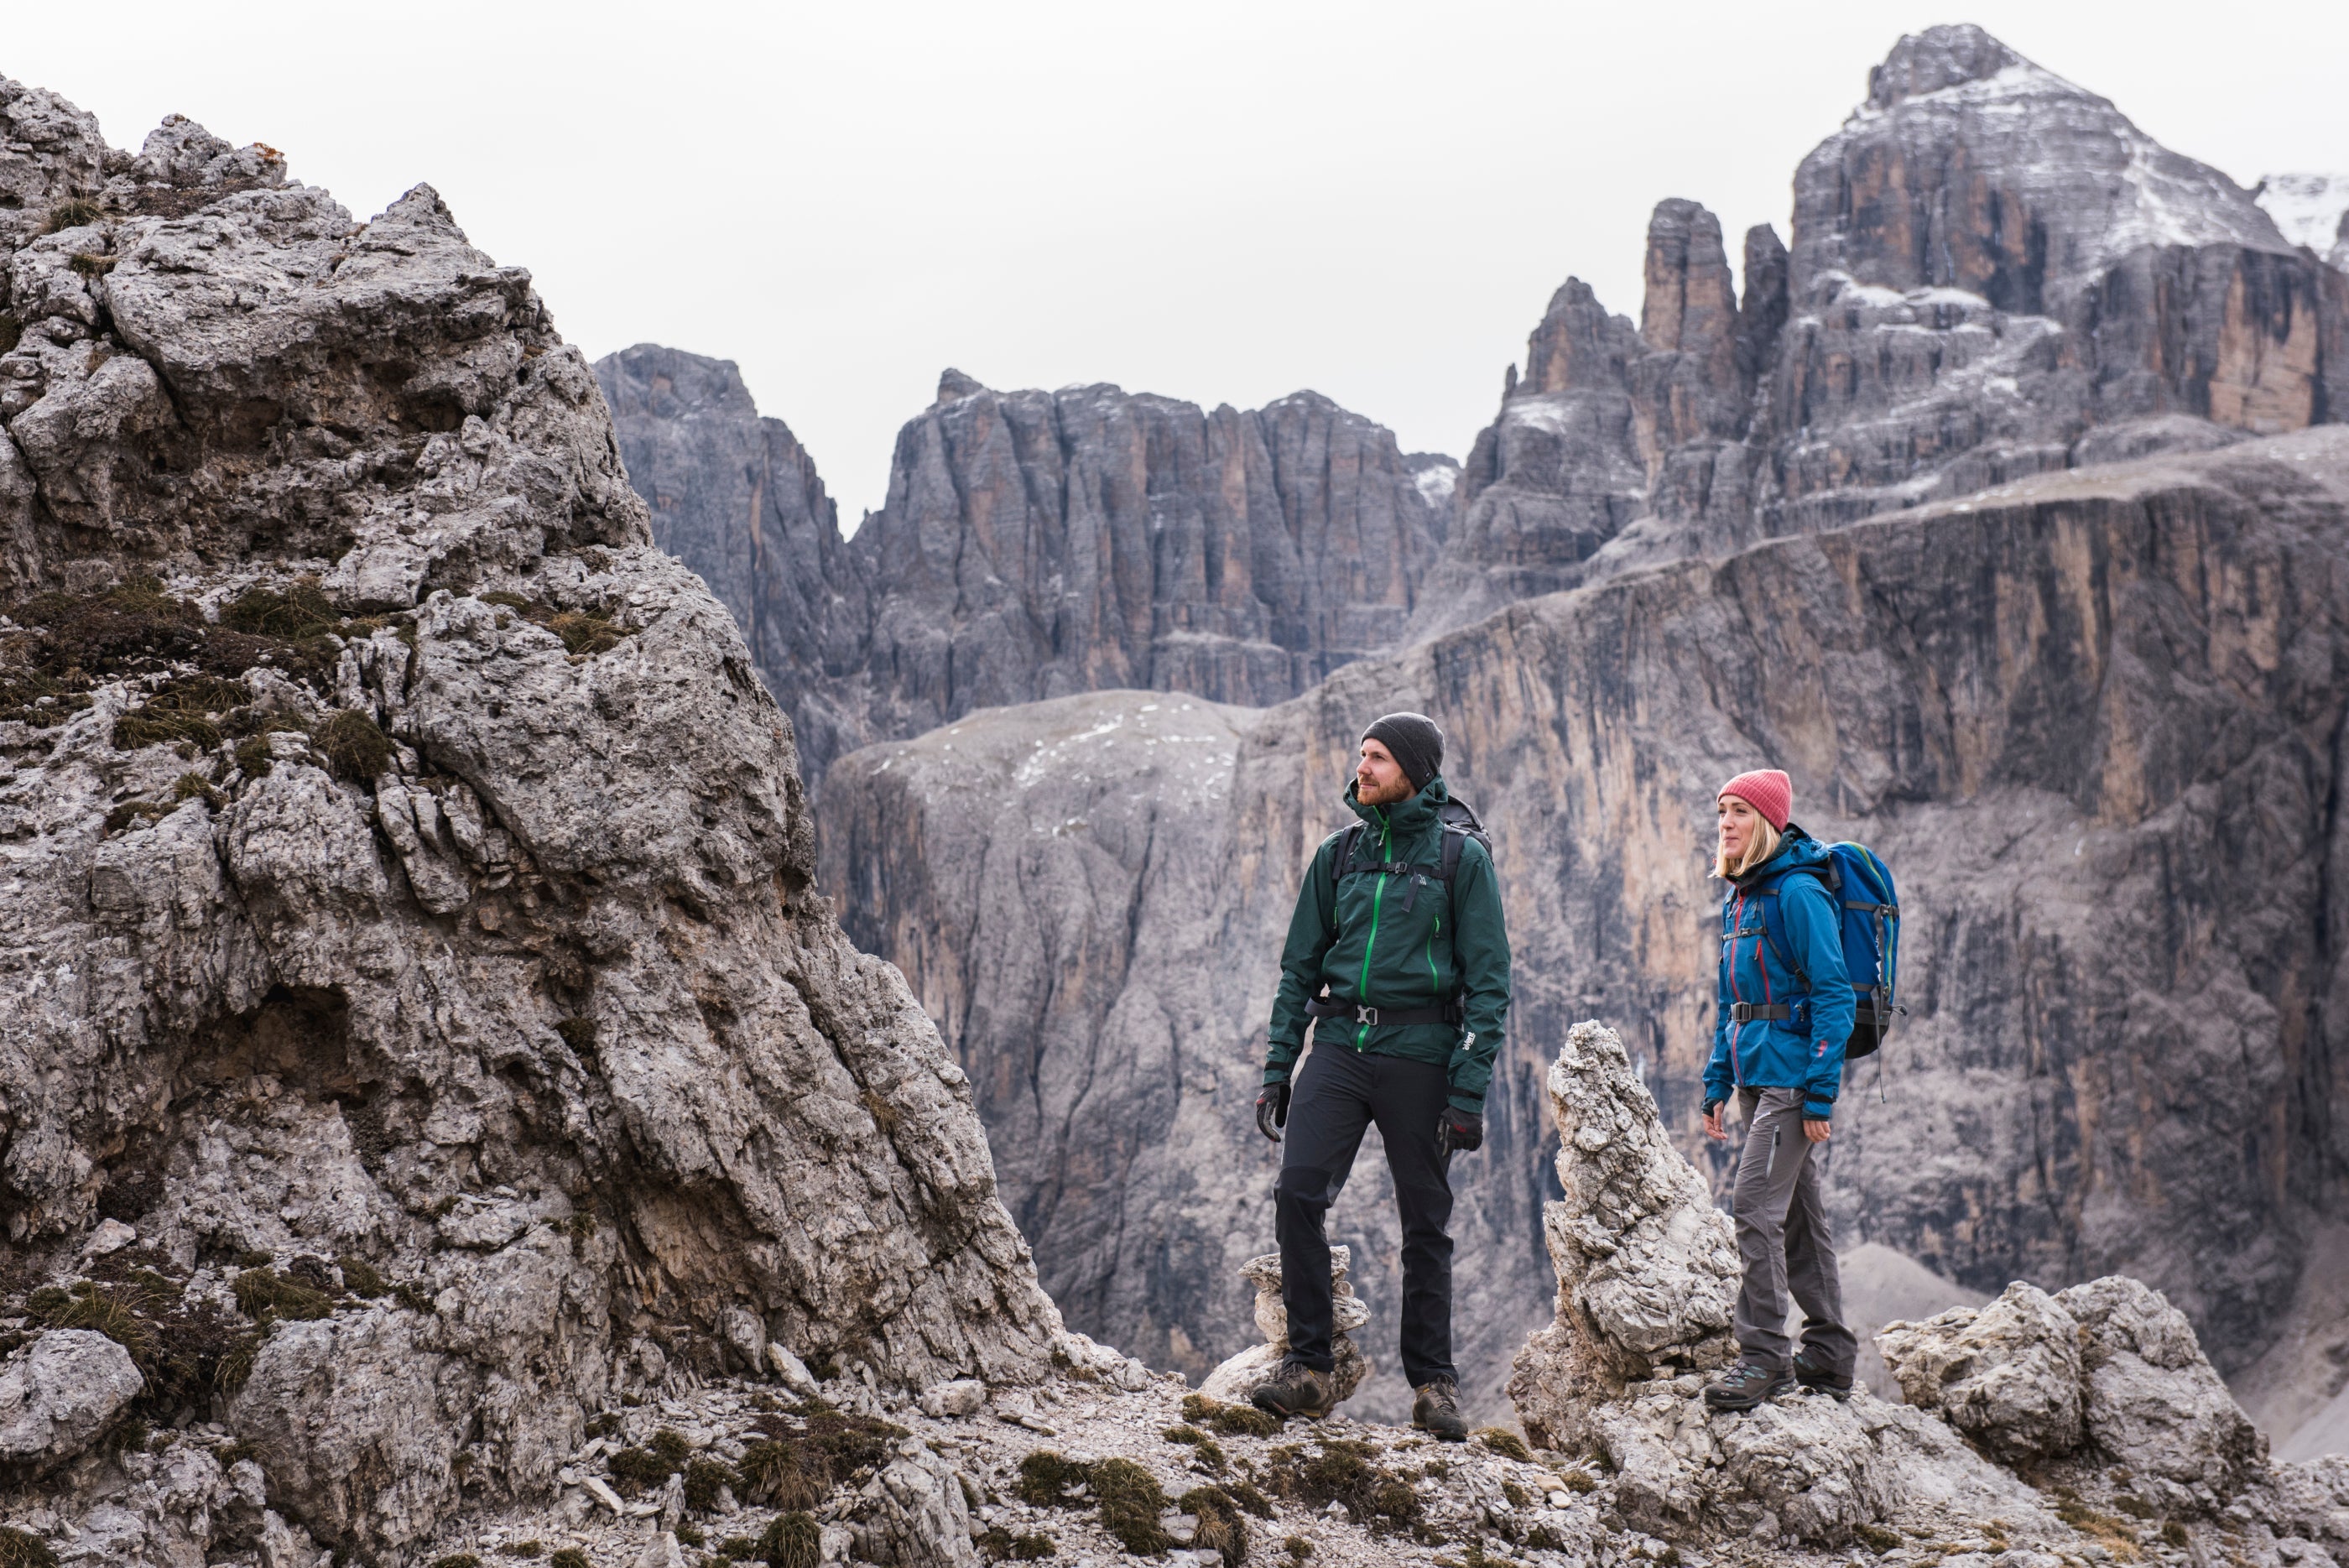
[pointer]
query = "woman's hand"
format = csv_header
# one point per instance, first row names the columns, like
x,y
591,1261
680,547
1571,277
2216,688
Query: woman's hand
x,y
1818,1132
1713,1127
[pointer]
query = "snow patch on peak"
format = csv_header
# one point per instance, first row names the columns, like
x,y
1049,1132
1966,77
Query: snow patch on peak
x,y
2307,208
1436,483
2177,201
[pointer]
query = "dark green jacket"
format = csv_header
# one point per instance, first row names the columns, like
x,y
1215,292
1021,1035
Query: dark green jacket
x,y
1397,941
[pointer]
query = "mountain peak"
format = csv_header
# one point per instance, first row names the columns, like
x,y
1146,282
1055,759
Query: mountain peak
x,y
1936,59
953,384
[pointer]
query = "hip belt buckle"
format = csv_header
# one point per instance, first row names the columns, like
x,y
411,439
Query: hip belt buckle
x,y
1369,1015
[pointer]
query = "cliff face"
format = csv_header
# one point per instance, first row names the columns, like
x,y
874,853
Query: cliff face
x,y
1039,543
2093,721
420,1024
1992,274
1036,544
738,499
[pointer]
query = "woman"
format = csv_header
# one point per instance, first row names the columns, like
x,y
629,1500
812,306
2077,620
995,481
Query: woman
x,y
1785,1011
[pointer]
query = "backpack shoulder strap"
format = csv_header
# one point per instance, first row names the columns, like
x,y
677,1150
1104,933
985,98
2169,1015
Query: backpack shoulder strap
x,y
1342,862
1826,877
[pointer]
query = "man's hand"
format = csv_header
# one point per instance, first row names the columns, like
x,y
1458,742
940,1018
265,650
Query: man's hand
x,y
1458,1131
1272,1111
1713,1126
1817,1132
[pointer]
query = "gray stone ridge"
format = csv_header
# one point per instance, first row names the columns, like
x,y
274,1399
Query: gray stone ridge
x,y
1035,544
1992,274
422,1031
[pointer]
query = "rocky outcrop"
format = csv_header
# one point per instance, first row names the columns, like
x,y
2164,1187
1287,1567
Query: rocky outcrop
x,y
1646,1264
1237,1378
415,987
1035,544
1647,1285
60,1394
1992,274
2091,720
2109,1367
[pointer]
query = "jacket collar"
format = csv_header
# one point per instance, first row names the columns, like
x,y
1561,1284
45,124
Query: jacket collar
x,y
1413,814
1795,848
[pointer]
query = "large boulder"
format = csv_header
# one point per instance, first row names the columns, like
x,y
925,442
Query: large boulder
x,y
2007,1375
2150,1397
60,1394
2109,1370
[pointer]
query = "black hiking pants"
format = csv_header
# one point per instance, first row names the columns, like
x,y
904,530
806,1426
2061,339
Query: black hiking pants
x,y
1338,1094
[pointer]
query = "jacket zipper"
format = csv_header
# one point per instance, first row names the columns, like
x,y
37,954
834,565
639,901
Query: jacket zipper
x,y
1435,985
1378,898
1736,1030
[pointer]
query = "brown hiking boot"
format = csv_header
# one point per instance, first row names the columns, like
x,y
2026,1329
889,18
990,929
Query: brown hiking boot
x,y
1437,1411
1296,1390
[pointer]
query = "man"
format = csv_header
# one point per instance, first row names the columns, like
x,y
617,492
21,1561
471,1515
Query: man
x,y
1407,972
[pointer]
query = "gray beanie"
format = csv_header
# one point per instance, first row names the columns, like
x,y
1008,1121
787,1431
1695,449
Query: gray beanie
x,y
1414,741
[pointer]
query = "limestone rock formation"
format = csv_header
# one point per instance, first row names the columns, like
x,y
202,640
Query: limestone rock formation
x,y
409,929
2148,1397
2007,1375
2310,210
2109,1364
59,1394
2092,720
1157,1470
1238,1377
1035,544
1647,1265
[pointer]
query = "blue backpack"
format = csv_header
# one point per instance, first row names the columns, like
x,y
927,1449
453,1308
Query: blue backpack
x,y
1862,883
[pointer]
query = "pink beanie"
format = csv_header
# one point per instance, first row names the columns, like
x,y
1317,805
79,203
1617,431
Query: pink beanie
x,y
1767,791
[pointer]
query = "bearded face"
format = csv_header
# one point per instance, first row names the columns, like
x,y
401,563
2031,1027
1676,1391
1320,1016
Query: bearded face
x,y
1379,779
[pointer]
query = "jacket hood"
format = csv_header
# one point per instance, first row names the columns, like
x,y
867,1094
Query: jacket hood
x,y
1408,814
1796,848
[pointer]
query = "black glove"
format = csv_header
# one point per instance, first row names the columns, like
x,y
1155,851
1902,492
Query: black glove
x,y
1272,1109
1458,1131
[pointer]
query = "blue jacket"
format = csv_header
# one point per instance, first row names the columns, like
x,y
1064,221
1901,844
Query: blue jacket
x,y
1803,923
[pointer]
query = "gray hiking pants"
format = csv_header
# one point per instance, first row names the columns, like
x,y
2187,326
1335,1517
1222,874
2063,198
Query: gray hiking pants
x,y
1783,1237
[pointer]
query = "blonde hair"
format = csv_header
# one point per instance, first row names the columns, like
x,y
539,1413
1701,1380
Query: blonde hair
x,y
1758,848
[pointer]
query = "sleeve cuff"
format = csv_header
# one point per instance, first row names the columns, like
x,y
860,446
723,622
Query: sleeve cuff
x,y
1815,1112
1273,1075
1472,1103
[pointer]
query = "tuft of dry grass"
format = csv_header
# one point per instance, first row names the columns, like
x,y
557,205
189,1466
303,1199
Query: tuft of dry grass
x,y
793,1541
353,747
73,213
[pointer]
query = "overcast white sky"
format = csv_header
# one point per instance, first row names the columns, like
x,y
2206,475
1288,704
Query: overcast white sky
x,y
1224,202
